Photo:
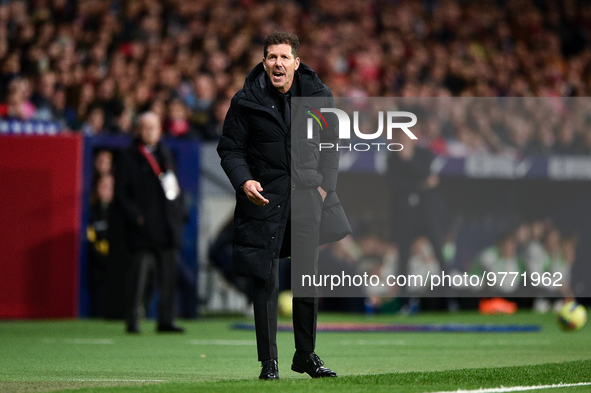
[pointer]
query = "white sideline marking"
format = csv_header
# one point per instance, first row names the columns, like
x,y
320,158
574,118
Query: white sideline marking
x,y
440,344
223,342
94,341
518,388
117,380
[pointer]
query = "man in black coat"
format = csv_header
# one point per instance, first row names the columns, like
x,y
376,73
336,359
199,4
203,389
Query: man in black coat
x,y
149,197
256,154
417,208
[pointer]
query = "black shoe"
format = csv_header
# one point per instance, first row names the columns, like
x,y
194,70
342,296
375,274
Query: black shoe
x,y
172,328
312,365
133,329
270,370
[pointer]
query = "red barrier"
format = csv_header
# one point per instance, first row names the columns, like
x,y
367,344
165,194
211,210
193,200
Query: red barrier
x,y
40,189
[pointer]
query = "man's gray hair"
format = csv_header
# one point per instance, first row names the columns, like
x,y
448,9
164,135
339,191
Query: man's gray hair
x,y
147,115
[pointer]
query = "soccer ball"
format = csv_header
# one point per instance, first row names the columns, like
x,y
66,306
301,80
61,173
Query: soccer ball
x,y
572,316
285,304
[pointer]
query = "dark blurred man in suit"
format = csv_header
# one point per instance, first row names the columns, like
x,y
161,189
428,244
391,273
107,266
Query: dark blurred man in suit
x,y
147,190
418,208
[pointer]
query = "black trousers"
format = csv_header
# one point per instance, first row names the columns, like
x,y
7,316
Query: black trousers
x,y
410,222
306,207
305,310
163,263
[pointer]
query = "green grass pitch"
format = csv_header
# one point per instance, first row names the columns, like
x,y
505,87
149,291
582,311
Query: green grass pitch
x,y
97,356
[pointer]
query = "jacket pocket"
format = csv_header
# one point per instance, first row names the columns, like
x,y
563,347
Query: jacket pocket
x,y
320,196
258,170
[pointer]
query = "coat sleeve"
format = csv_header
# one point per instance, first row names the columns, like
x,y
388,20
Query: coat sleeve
x,y
233,145
328,164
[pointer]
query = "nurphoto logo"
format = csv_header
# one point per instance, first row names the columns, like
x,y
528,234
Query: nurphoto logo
x,y
345,129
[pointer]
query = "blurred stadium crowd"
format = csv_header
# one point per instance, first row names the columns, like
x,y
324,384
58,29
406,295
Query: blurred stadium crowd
x,y
93,65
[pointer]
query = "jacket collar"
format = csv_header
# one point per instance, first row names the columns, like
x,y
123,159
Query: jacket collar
x,y
276,94
138,142
308,84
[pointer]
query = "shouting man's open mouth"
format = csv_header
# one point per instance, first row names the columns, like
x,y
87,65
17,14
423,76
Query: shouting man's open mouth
x,y
278,76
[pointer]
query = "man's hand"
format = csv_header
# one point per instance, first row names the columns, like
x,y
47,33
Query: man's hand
x,y
322,193
407,152
253,189
431,182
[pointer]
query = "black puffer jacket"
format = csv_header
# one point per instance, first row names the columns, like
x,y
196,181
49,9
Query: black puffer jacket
x,y
256,144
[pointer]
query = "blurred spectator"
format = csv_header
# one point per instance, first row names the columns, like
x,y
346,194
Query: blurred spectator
x,y
18,104
535,260
58,108
205,93
97,234
569,252
103,163
501,257
95,122
43,96
422,262
553,257
80,105
212,130
111,105
559,256
177,122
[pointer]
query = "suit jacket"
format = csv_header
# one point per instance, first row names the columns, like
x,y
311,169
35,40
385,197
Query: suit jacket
x,y
139,194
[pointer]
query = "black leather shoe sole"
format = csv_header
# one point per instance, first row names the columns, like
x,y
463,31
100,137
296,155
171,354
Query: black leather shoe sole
x,y
298,370
269,378
301,371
